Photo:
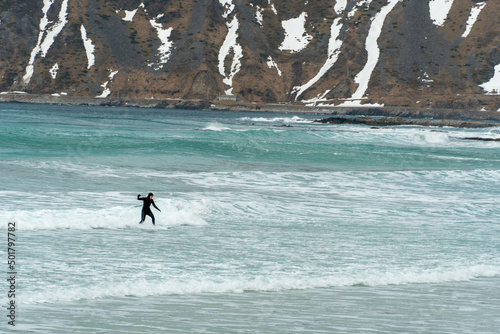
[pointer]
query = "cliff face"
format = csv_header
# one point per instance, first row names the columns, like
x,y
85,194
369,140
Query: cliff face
x,y
417,53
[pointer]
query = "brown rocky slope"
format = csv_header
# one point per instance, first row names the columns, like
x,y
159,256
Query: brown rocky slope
x,y
265,51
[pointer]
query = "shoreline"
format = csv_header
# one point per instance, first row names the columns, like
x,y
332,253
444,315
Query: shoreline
x,y
450,115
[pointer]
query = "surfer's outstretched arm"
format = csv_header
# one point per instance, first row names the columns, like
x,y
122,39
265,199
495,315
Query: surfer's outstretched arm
x,y
152,202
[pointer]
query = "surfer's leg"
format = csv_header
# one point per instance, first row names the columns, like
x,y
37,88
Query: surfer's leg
x,y
150,214
143,216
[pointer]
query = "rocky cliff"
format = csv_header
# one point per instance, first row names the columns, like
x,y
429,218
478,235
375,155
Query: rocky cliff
x,y
408,53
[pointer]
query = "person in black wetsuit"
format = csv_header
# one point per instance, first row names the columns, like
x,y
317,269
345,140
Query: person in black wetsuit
x,y
146,210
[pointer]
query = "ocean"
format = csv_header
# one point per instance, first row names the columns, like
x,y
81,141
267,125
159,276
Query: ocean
x,y
281,225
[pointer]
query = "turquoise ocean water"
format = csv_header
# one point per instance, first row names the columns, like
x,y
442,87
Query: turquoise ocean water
x,y
286,226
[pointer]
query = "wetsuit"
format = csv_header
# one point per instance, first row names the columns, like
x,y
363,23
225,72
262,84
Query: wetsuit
x,y
146,210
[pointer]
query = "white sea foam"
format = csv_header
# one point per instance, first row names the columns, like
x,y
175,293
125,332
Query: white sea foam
x,y
117,217
428,137
216,127
293,119
269,282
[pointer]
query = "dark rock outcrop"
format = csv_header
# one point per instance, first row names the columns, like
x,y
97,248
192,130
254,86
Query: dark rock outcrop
x,y
392,121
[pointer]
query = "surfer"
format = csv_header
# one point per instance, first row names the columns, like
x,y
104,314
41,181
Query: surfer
x,y
146,210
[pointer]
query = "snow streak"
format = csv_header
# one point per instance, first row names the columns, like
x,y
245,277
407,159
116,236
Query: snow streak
x,y
474,13
46,36
333,53
363,77
164,51
230,45
106,90
89,47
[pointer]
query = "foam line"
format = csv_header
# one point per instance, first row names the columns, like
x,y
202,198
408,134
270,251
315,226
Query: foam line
x,y
268,282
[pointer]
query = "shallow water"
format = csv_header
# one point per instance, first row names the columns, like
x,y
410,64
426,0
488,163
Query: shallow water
x,y
285,225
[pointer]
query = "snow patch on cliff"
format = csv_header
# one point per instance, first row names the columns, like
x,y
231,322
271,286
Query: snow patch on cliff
x,y
271,64
129,14
439,10
228,7
89,47
492,87
334,46
371,45
259,16
53,71
46,35
165,49
340,6
296,38
474,13
107,91
230,45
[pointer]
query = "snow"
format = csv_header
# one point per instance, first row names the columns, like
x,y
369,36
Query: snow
x,y
106,90
316,100
340,6
474,13
357,103
425,79
334,46
129,14
164,50
492,87
46,36
439,10
13,92
228,7
271,64
55,29
272,7
230,45
53,71
296,38
89,47
363,77
258,15
363,3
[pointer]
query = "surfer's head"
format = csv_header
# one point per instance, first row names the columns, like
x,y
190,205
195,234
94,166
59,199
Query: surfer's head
x,y
150,195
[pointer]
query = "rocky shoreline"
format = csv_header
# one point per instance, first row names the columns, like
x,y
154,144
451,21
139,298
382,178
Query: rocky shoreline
x,y
389,115
392,121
